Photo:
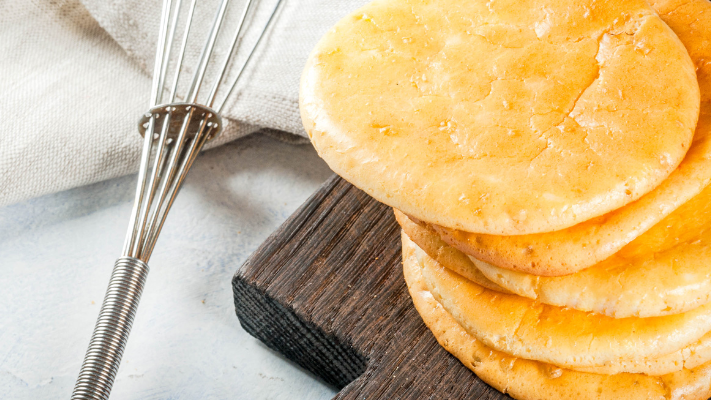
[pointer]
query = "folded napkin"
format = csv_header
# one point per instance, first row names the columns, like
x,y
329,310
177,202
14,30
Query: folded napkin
x,y
75,78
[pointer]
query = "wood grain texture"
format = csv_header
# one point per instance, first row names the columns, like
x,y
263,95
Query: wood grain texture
x,y
327,291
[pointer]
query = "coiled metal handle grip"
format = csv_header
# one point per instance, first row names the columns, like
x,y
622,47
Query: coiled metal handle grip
x,y
111,331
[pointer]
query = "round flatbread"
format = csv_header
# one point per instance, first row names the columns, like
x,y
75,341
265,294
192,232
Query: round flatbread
x,y
583,245
501,117
532,380
663,272
565,337
690,356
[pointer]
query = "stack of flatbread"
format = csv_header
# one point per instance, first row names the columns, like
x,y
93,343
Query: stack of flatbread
x,y
549,162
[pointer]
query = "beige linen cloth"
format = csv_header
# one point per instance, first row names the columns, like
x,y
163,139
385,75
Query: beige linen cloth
x,y
74,79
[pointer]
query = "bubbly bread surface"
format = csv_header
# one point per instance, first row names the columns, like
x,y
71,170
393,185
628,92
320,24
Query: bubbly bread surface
x,y
573,249
585,244
533,380
501,117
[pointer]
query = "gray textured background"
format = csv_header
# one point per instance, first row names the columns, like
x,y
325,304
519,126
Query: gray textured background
x,y
56,255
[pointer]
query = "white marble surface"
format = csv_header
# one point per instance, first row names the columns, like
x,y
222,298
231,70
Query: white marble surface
x,y
56,255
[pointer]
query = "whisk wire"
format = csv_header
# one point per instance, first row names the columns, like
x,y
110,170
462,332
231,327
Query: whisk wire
x,y
156,88
192,152
183,46
152,182
128,248
230,53
171,170
249,57
206,54
166,52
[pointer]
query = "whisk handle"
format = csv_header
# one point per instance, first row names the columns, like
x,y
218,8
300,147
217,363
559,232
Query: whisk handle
x,y
111,331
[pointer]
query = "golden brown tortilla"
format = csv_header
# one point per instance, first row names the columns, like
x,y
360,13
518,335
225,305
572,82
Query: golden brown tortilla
x,y
501,117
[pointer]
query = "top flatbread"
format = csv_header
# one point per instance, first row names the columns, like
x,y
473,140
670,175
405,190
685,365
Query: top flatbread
x,y
501,117
583,245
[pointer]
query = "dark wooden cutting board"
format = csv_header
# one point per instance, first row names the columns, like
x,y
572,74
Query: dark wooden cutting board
x,y
327,291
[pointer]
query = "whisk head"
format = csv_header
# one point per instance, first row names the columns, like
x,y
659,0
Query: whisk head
x,y
175,132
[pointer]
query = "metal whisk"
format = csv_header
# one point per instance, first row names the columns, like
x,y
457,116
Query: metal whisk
x,y
174,133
